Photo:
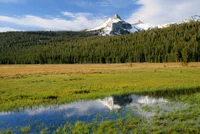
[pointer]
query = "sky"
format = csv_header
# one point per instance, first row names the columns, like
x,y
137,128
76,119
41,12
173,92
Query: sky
x,y
28,15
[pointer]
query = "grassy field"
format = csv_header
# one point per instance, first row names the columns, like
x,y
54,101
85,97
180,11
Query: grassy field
x,y
28,85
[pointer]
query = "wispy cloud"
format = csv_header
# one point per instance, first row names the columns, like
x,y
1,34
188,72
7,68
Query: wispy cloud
x,y
77,15
164,11
6,29
68,14
78,21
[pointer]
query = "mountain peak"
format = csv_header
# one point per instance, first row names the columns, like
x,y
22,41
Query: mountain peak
x,y
139,22
117,26
192,18
116,17
113,26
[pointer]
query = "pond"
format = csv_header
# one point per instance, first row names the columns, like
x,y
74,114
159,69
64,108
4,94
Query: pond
x,y
109,108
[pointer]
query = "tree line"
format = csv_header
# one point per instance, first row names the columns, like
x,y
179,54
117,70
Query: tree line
x,y
177,43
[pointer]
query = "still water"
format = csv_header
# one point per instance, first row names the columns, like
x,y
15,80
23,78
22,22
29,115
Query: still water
x,y
109,108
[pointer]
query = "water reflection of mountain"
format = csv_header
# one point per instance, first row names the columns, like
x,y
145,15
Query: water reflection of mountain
x,y
117,102
85,111
122,100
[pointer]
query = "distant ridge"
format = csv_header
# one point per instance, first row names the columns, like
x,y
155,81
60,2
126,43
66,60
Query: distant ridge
x,y
117,26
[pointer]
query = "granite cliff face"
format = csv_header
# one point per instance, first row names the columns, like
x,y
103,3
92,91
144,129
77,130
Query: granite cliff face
x,y
120,27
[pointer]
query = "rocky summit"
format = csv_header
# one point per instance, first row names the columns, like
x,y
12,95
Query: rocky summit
x,y
113,26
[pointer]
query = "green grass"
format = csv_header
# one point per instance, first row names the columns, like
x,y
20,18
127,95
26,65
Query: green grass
x,y
27,90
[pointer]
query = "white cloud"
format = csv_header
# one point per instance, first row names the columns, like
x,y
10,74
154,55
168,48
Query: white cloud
x,y
77,15
164,11
6,29
69,14
79,21
81,108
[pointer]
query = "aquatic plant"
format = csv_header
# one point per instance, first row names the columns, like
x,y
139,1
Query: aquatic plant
x,y
25,130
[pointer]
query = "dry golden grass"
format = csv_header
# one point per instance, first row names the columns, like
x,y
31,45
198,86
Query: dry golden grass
x,y
14,70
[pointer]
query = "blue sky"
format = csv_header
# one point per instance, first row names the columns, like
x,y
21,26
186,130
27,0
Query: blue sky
x,y
81,14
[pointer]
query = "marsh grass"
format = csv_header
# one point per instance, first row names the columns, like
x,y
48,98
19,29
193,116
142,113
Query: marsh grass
x,y
127,124
171,93
25,130
8,131
177,120
180,120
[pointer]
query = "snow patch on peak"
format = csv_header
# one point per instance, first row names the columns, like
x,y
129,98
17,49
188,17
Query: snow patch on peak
x,y
145,26
117,17
135,28
192,18
101,26
116,26
113,26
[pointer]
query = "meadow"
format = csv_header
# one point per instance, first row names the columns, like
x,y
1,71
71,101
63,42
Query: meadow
x,y
29,85
24,86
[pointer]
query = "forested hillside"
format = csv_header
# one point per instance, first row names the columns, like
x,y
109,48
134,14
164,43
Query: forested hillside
x,y
172,44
